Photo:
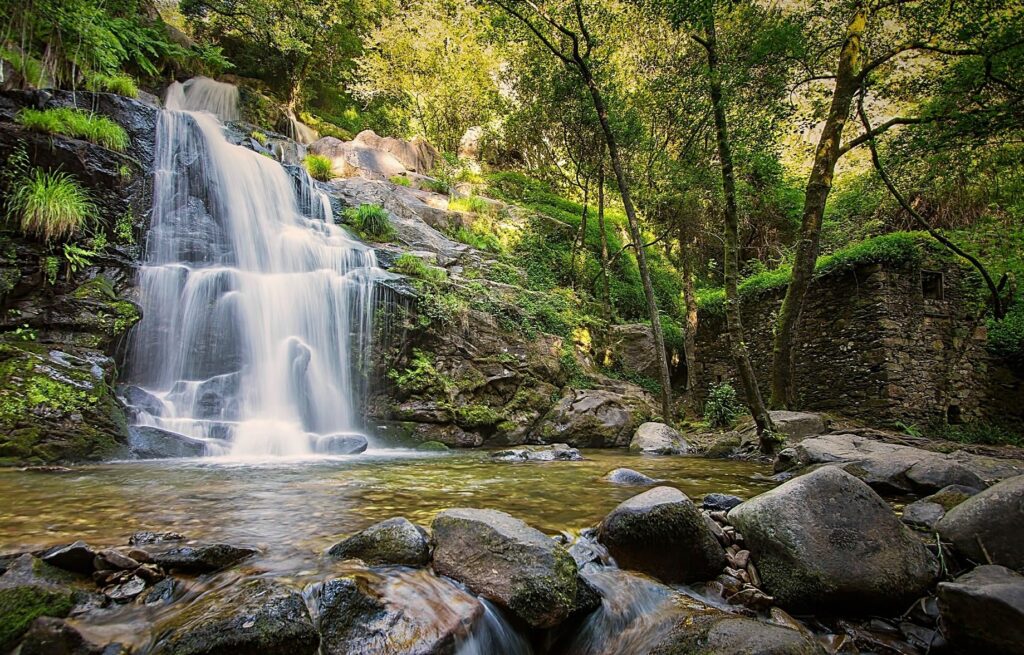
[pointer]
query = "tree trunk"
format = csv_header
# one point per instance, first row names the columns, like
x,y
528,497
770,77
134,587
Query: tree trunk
x,y
579,242
819,183
605,275
734,324
686,245
636,236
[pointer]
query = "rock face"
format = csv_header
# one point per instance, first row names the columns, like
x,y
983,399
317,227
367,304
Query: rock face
x,y
825,540
257,616
662,533
629,477
886,467
658,439
983,611
507,562
994,519
594,418
632,349
202,559
415,614
394,541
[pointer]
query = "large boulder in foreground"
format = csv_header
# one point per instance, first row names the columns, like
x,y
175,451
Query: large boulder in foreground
x,y
826,541
662,533
407,614
983,611
507,562
658,439
989,527
394,541
258,616
886,467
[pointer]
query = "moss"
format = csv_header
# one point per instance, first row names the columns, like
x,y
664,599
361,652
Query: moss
x,y
21,605
476,416
125,316
432,446
543,600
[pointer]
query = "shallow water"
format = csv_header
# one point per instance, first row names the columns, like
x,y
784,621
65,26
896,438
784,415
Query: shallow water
x,y
294,510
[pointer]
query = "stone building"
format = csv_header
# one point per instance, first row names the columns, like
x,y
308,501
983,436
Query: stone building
x,y
885,343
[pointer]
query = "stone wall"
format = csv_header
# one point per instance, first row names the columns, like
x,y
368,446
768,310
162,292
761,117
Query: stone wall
x,y
879,343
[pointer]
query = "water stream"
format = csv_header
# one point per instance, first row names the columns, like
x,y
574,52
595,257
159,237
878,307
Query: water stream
x,y
253,300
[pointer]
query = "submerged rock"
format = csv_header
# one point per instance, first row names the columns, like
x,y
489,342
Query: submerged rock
x,y
258,616
394,541
629,477
983,611
555,452
406,614
989,527
202,559
658,439
662,533
508,562
826,541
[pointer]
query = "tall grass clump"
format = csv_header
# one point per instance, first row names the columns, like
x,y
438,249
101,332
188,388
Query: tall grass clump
x,y
372,221
75,123
120,84
50,206
319,167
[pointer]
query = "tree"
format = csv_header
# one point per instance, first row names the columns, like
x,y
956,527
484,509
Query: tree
x,y
573,47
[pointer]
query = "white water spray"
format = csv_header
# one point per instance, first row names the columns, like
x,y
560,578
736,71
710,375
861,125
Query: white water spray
x,y
256,307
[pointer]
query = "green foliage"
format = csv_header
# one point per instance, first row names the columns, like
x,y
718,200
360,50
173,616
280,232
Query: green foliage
x,y
473,204
371,221
319,167
576,376
120,84
437,185
421,375
401,180
413,266
722,407
980,433
124,228
325,128
1006,337
76,123
260,138
50,206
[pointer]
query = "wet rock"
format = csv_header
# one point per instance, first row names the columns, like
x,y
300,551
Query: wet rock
x,y
258,616
886,467
826,541
162,592
77,557
721,633
556,452
595,418
989,527
662,533
657,439
29,589
407,614
125,590
154,443
202,559
148,538
983,611
394,541
112,559
52,636
720,502
629,477
339,444
507,562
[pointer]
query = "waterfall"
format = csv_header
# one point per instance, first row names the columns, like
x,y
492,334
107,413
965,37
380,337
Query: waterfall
x,y
255,305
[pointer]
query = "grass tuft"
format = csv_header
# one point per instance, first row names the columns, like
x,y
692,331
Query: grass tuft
x,y
77,124
319,167
371,221
49,205
119,84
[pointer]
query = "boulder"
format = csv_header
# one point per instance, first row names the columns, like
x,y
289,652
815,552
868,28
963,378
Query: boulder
x,y
925,513
339,444
989,527
394,541
77,557
202,559
595,418
886,467
983,611
507,562
258,616
720,502
629,477
556,452
662,533
406,614
718,632
797,426
154,443
826,541
631,347
657,439
416,154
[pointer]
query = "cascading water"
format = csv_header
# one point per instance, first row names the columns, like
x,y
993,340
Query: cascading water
x,y
255,307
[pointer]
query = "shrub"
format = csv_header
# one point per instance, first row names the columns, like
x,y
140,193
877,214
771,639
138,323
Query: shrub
x,y
371,221
75,123
437,186
722,406
119,84
1006,337
401,180
49,205
413,266
319,167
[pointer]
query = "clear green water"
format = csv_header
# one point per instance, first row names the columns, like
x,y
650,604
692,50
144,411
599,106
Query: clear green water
x,y
294,511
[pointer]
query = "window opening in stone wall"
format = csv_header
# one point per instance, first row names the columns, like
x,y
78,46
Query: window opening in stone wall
x,y
931,285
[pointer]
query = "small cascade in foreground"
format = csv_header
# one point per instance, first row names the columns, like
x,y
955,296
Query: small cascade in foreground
x,y
256,307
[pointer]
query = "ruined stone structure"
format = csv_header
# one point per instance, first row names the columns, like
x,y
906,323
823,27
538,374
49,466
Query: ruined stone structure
x,y
883,343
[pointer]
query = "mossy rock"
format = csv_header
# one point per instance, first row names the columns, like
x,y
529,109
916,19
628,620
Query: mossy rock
x,y
432,446
21,605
